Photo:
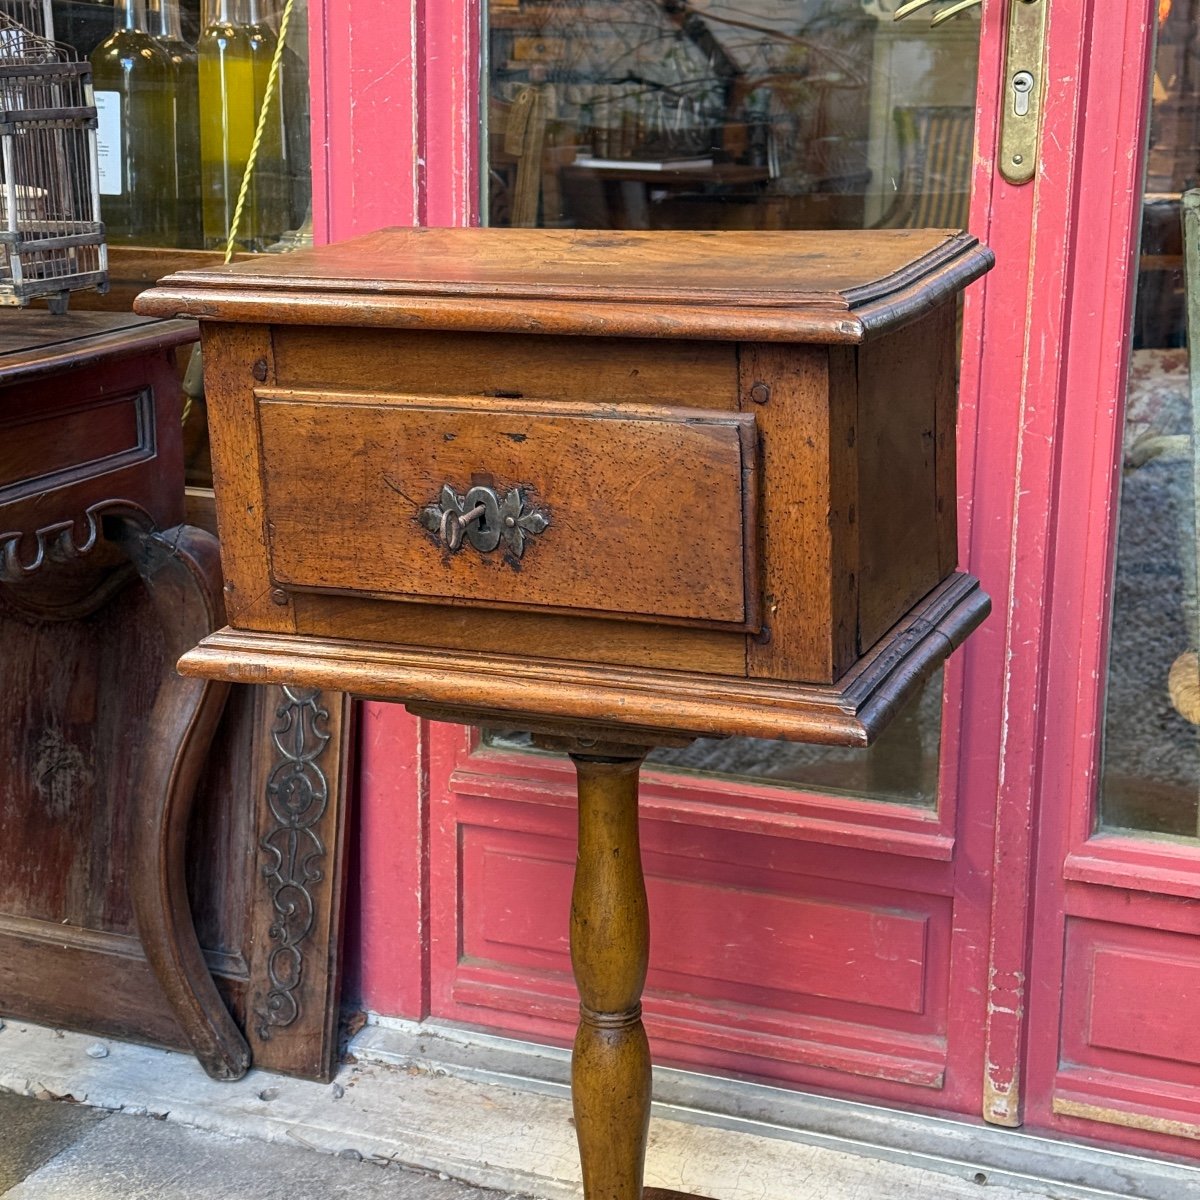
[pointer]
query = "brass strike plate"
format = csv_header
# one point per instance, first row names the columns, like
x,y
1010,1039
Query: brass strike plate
x,y
1024,90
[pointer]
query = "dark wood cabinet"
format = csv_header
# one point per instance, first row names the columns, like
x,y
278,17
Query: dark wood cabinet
x,y
144,832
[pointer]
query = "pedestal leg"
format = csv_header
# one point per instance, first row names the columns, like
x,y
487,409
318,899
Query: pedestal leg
x,y
610,942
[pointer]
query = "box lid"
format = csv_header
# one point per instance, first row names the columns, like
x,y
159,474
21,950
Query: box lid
x,y
812,285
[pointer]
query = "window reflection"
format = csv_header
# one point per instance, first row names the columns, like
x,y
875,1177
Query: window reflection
x,y
739,114
901,767
1151,769
728,114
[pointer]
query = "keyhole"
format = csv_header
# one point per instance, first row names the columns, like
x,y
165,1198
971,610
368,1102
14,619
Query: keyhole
x,y
1022,85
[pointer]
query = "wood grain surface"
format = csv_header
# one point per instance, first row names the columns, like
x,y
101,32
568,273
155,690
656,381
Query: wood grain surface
x,y
650,510
35,344
597,370
180,570
610,950
907,494
236,359
850,712
816,286
531,634
807,568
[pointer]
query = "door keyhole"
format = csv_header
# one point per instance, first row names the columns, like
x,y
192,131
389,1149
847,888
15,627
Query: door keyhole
x,y
1022,86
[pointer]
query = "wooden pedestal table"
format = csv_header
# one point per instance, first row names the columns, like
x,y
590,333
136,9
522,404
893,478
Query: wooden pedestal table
x,y
619,489
91,488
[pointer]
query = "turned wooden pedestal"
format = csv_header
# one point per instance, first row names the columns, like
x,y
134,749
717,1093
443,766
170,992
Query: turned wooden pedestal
x,y
610,948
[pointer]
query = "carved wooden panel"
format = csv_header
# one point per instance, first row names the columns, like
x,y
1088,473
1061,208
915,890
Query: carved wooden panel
x,y
79,694
303,735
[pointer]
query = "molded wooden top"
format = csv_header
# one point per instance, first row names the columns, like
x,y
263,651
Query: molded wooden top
x,y
806,286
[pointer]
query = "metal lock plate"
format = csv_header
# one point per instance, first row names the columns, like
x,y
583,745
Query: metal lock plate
x,y
1021,121
484,519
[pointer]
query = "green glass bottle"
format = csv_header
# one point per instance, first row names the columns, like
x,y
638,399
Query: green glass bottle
x,y
134,81
234,61
166,25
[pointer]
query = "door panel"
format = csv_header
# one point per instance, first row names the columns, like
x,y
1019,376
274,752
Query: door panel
x,y
828,976
1111,1052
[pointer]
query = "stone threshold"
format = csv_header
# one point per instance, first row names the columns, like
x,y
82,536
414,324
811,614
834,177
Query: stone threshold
x,y
495,1113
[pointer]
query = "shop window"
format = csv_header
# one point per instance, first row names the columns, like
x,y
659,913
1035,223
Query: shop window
x,y
700,114
739,114
179,85
1150,781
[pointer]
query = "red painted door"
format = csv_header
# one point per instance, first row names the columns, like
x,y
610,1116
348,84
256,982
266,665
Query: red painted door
x,y
951,922
1115,974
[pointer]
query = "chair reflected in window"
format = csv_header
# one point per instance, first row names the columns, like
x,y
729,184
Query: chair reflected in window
x,y
933,185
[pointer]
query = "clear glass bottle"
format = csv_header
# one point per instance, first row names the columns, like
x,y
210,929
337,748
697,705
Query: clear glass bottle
x,y
272,167
166,26
134,81
234,52
296,114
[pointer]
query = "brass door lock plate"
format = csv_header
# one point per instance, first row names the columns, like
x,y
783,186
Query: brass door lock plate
x,y
1024,90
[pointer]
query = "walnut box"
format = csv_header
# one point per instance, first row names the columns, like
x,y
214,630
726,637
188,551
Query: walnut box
x,y
697,483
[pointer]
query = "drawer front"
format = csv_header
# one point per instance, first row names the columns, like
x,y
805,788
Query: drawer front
x,y
626,511
44,447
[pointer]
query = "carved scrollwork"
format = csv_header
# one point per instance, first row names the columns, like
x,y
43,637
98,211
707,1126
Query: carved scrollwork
x,y
297,795
59,543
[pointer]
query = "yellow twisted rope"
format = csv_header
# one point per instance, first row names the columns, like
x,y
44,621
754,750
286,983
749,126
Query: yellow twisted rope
x,y
263,114
244,189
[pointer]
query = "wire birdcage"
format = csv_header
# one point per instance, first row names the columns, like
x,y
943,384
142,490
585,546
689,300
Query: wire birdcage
x,y
51,237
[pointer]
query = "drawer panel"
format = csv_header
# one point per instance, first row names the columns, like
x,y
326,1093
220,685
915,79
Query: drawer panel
x,y
44,447
649,510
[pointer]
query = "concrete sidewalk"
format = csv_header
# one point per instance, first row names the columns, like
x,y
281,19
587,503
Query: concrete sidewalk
x,y
58,1150
92,1119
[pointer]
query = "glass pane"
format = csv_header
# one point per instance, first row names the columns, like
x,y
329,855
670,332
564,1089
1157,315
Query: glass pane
x,y
179,85
901,767
739,114
1151,769
765,114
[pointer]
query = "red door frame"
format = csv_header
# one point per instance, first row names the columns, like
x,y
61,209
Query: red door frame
x,y
1022,714
396,89
1020,381
1130,896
